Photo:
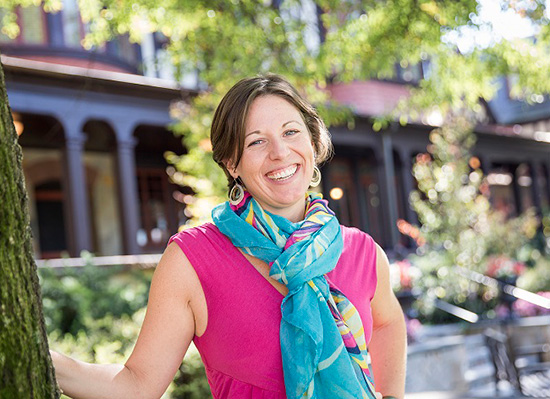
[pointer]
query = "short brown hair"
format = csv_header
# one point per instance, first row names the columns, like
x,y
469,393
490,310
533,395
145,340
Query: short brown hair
x,y
228,126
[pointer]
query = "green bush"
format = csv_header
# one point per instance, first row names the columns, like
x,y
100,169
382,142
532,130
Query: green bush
x,y
74,297
536,278
94,314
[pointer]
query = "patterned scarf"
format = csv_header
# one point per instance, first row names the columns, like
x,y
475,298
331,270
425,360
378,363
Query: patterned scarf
x,y
318,321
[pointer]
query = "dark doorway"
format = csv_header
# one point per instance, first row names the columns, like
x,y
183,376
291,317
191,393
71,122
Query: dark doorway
x,y
51,220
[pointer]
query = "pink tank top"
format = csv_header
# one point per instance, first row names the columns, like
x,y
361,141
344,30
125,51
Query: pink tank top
x,y
240,347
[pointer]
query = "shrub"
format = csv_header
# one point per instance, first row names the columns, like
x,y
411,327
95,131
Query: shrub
x,y
95,313
75,297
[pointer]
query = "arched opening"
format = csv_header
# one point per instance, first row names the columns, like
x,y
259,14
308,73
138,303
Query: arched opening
x,y
103,198
40,131
161,202
42,140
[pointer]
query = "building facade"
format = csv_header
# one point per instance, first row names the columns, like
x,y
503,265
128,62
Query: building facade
x,y
94,127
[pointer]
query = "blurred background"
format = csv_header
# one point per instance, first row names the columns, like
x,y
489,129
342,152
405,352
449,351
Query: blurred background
x,y
440,120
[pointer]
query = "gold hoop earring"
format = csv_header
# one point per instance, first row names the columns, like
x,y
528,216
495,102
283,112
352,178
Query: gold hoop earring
x,y
316,178
236,194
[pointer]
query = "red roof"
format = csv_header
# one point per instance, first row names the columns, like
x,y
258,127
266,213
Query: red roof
x,y
69,61
368,98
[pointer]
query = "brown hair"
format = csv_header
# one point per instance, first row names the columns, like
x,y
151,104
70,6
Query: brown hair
x,y
228,126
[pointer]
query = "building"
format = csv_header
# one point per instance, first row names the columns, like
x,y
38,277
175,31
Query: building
x,y
93,131
374,168
93,127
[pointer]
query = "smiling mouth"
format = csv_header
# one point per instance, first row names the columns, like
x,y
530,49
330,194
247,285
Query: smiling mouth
x,y
283,174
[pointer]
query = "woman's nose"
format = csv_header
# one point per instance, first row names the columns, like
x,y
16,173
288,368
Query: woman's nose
x,y
278,149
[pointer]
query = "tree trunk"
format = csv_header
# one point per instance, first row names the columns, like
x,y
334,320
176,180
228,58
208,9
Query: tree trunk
x,y
26,370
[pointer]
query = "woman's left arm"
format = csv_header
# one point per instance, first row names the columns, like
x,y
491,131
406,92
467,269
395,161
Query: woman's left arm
x,y
388,345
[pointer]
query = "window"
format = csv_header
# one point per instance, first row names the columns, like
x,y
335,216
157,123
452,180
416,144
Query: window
x,y
72,26
33,25
121,47
408,73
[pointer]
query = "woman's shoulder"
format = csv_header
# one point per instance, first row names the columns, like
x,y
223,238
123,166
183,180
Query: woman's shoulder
x,y
201,240
354,237
196,233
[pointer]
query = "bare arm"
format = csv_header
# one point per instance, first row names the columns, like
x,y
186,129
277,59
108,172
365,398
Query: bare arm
x,y
388,346
165,335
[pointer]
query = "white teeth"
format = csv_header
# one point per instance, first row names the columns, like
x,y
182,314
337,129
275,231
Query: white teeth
x,y
283,174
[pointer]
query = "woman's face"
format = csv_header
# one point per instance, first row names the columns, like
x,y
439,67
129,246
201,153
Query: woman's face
x,y
278,157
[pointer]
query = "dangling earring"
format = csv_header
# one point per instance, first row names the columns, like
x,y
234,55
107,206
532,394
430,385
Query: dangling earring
x,y
316,178
236,194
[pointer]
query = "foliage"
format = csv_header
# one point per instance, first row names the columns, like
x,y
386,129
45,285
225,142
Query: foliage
x,y
317,43
74,298
460,232
94,314
536,278
106,340
511,237
449,204
540,245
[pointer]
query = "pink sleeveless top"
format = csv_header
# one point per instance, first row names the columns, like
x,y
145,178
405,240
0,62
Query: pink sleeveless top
x,y
240,348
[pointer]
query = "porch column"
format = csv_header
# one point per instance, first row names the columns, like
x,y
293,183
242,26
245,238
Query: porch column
x,y
128,193
535,189
408,183
388,189
515,188
80,227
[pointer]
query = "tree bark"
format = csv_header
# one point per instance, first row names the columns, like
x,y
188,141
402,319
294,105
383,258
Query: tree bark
x,y
26,369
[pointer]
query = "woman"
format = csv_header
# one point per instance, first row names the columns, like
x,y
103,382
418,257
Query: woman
x,y
267,292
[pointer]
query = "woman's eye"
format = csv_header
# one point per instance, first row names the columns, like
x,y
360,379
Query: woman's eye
x,y
291,132
254,143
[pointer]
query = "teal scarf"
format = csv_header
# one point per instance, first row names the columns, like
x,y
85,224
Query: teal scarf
x,y
322,338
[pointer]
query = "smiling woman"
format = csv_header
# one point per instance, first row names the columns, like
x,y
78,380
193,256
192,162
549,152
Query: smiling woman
x,y
277,162
268,138
279,298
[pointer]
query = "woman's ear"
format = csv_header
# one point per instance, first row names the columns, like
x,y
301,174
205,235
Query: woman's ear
x,y
231,168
